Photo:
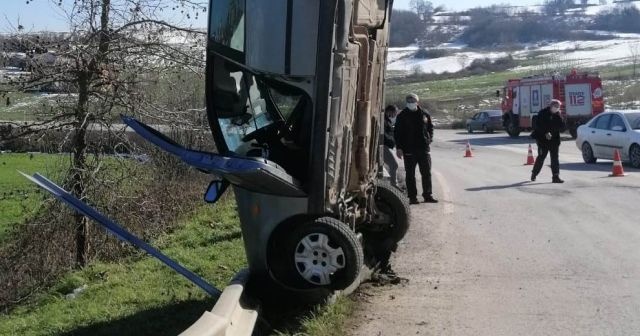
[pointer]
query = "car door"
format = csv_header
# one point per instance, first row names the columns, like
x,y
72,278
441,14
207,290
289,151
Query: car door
x,y
616,136
598,131
484,120
254,174
473,123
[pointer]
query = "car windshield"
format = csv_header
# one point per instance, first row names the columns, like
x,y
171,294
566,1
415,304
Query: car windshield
x,y
633,119
244,103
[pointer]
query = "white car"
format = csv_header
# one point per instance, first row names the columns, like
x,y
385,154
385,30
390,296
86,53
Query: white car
x,y
608,131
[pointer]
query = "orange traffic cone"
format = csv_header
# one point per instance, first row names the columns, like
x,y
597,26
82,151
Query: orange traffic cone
x,y
617,165
530,159
468,153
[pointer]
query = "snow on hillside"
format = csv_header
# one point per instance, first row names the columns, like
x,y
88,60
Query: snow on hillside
x,y
585,54
620,50
403,60
594,10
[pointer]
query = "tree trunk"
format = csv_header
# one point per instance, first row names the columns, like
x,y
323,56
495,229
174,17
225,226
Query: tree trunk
x,y
78,170
79,175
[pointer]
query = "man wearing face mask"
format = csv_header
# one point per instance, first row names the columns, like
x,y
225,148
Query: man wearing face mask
x,y
390,114
413,135
549,124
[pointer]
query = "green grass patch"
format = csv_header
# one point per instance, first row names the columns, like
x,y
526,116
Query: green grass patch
x,y
19,198
326,320
24,106
140,296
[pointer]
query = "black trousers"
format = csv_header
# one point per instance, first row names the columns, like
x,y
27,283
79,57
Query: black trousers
x,y
423,161
543,150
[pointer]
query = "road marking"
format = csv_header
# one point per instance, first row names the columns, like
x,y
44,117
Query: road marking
x,y
448,206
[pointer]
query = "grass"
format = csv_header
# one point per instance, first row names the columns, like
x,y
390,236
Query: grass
x,y
140,296
20,198
326,320
22,106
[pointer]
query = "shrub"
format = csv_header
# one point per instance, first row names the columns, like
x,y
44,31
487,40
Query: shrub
x,y
431,53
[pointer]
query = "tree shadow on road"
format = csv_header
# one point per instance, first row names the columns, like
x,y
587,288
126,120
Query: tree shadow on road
x,y
484,140
498,187
585,167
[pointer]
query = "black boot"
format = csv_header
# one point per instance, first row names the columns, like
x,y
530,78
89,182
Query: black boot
x,y
557,179
430,199
533,177
413,201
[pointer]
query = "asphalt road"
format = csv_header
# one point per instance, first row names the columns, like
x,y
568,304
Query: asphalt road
x,y
500,255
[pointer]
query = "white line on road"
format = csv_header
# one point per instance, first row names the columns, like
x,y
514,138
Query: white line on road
x,y
448,206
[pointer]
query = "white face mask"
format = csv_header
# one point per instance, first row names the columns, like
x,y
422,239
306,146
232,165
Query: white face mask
x,y
555,109
393,120
412,106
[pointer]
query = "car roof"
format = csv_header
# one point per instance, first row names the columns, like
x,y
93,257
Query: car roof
x,y
491,111
622,111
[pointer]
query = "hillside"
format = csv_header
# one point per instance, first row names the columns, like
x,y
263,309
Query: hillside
x,y
575,46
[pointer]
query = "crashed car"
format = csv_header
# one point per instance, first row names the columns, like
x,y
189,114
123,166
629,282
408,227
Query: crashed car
x,y
295,92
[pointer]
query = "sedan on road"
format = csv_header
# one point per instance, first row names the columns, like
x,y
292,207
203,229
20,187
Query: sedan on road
x,y
600,137
487,121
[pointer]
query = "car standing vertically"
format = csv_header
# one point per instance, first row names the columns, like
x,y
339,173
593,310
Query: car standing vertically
x,y
295,90
620,129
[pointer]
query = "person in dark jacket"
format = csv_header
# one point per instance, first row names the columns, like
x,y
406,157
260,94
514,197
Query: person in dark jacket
x,y
390,114
548,126
413,135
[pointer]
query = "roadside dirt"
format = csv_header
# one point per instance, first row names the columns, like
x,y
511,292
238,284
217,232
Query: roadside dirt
x,y
400,307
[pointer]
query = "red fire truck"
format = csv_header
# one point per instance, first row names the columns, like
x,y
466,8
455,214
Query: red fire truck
x,y
581,94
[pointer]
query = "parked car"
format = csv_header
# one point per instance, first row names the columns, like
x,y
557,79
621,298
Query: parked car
x,y
487,121
611,130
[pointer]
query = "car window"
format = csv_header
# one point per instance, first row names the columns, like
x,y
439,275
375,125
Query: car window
x,y
483,115
616,120
602,122
633,119
475,116
495,114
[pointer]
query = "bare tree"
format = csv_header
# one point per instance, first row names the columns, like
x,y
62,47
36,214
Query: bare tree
x,y
634,52
113,50
463,59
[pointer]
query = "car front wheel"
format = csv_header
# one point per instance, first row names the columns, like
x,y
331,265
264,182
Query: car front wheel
x,y
320,253
587,153
634,155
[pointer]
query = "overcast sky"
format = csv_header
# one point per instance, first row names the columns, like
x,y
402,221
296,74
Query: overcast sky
x,y
43,15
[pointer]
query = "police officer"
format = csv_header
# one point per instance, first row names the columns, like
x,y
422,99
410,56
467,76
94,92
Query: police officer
x,y
390,114
548,126
413,135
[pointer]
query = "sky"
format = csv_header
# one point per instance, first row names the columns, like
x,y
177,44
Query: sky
x,y
41,15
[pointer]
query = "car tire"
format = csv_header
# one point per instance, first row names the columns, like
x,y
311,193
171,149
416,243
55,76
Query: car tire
x,y
320,253
469,129
388,226
634,155
513,130
587,153
394,204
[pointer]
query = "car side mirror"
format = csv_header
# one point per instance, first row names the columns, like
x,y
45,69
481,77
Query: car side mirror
x,y
618,129
215,190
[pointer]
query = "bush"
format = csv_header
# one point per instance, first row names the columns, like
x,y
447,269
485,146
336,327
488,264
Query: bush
x,y
486,65
459,124
431,53
626,19
405,28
